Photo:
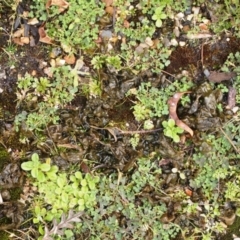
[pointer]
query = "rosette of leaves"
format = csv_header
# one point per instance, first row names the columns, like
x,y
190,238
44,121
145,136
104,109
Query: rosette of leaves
x,y
171,130
159,15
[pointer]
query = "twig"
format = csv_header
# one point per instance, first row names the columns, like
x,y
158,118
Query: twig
x,y
229,140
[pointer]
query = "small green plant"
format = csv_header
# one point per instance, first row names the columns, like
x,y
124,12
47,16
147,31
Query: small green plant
x,y
159,15
41,98
120,197
152,102
36,167
77,26
58,192
171,130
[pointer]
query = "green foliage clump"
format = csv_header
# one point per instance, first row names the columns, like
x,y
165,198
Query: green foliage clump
x,y
171,130
41,98
77,26
120,197
58,192
152,102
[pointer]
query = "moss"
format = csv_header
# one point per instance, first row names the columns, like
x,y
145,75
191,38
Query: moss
x,y
4,157
233,229
15,193
4,235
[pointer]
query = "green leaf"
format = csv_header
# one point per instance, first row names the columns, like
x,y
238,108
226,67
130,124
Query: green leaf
x,y
75,185
179,130
163,16
41,230
37,210
27,166
35,220
65,197
61,182
41,177
78,175
171,123
84,182
81,202
35,157
176,138
34,172
45,167
165,124
159,23
68,233
91,185
51,175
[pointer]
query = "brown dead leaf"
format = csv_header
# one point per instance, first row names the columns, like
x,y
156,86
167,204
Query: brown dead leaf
x,y
198,35
17,41
33,21
61,4
25,40
232,92
18,33
217,77
172,106
84,167
43,36
109,10
70,59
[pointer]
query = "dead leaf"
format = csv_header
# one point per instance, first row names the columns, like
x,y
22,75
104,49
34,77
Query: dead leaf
x,y
18,33
70,59
198,36
25,40
232,92
217,77
61,4
84,167
33,21
43,36
109,10
18,41
172,106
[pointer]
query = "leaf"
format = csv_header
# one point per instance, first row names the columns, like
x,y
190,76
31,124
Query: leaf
x,y
34,172
35,157
45,167
217,77
43,36
61,4
41,176
176,138
159,23
232,92
78,175
61,182
172,107
27,166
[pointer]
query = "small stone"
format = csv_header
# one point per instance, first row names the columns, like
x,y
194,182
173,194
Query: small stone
x,y
181,43
174,42
180,15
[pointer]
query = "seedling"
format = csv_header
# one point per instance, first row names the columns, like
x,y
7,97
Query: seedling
x,y
171,130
